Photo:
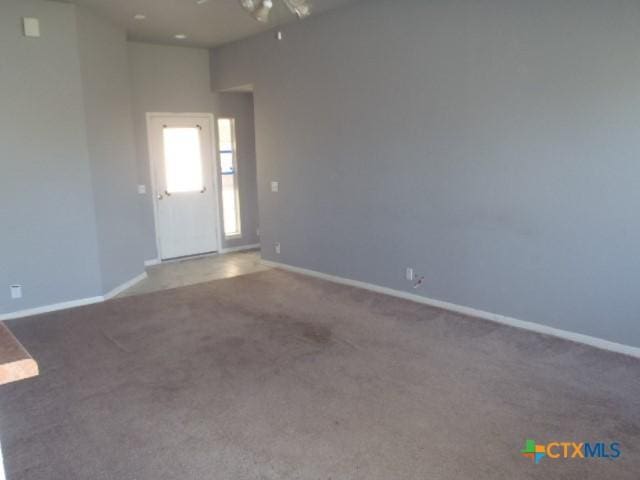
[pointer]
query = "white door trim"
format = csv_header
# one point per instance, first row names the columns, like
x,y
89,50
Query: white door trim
x,y
215,174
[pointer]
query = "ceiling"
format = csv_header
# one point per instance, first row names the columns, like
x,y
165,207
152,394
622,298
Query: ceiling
x,y
208,24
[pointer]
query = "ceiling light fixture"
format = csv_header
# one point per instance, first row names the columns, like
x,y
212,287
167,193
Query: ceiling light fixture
x,y
261,13
139,16
260,9
180,36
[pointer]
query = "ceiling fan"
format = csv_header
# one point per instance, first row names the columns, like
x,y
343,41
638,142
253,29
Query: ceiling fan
x,y
260,9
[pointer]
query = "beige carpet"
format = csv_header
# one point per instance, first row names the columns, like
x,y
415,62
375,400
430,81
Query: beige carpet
x,y
277,376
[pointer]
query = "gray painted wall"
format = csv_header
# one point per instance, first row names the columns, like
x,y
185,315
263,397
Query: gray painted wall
x,y
109,121
70,229
47,222
176,79
493,145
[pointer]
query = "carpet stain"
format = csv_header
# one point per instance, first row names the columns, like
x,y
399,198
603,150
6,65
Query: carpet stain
x,y
282,327
319,334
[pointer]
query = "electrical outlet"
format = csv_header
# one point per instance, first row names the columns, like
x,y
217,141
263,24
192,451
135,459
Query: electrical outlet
x,y
409,274
277,247
275,186
16,291
142,189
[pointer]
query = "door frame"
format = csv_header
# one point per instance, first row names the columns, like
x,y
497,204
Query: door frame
x,y
215,172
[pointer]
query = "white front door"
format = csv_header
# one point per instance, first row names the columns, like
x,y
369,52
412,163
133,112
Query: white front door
x,y
181,151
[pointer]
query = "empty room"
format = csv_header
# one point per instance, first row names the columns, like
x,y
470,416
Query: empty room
x,y
319,239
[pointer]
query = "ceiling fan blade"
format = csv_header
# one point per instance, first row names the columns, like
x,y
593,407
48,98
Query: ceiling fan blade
x,y
250,5
302,8
260,9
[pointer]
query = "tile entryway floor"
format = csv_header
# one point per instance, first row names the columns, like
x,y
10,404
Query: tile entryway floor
x,y
190,271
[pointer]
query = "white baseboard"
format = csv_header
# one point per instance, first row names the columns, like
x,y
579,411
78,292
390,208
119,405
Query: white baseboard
x,y
121,288
240,248
493,317
51,308
73,303
152,262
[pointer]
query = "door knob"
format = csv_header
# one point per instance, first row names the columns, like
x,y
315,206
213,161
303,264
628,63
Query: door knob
x,y
160,197
204,189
